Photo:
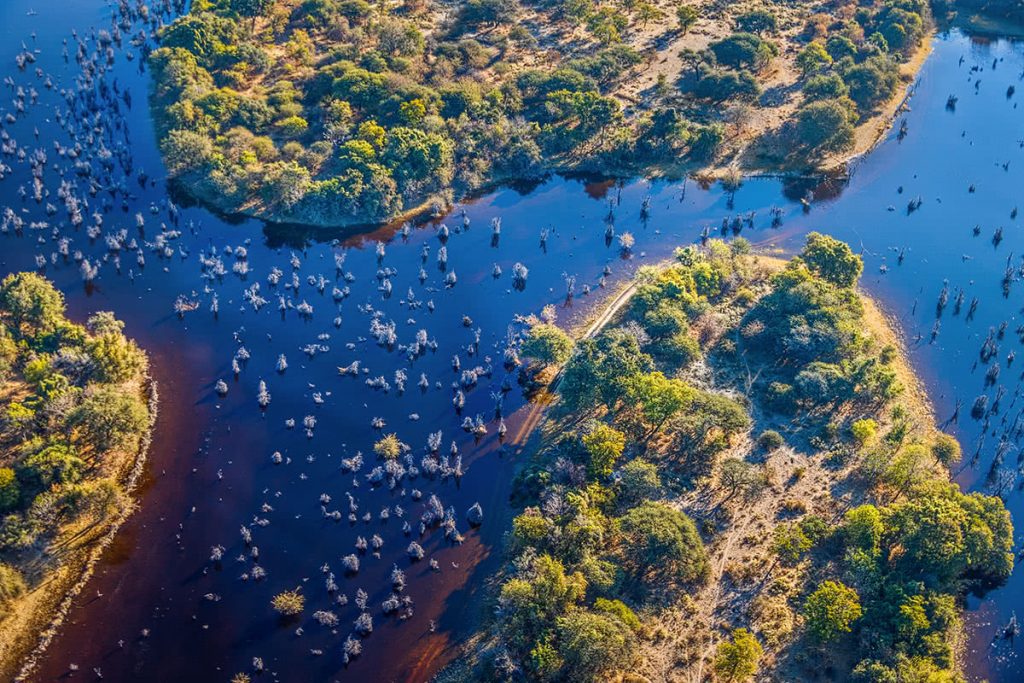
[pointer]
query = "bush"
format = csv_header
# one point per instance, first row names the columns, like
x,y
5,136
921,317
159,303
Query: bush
x,y
744,50
863,431
10,491
770,440
825,126
721,85
831,610
663,544
736,659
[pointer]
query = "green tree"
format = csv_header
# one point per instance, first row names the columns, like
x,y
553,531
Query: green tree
x,y
757,21
30,304
659,398
604,446
832,260
863,431
108,419
547,344
812,59
115,358
736,659
687,16
831,610
594,645
790,542
534,602
744,50
639,481
863,527
663,544
946,449
825,126
252,8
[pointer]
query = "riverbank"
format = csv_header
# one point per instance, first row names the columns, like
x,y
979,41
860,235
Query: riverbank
x,y
807,478
78,409
33,621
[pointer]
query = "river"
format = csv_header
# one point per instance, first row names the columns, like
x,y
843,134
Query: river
x,y
159,609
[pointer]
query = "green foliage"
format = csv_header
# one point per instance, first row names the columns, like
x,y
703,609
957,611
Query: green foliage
x,y
946,449
790,542
744,50
813,58
770,440
720,85
658,397
664,544
831,610
604,446
547,344
686,16
30,305
757,21
115,359
639,481
946,534
872,82
862,529
10,490
828,86
826,126
831,259
108,419
600,369
594,644
863,431
532,603
736,659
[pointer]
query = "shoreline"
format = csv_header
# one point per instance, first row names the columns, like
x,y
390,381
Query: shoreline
x,y
46,618
868,135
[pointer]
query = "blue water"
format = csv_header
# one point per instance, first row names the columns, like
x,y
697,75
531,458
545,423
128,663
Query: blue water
x,y
211,469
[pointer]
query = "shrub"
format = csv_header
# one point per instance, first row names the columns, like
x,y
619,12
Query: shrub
x,y
10,491
863,430
663,543
736,659
742,50
825,126
831,610
547,344
720,85
770,440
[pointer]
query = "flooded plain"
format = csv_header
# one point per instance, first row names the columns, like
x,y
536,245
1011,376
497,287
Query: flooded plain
x,y
222,300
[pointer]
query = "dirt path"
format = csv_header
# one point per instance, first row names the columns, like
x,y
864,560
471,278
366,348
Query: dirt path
x,y
611,309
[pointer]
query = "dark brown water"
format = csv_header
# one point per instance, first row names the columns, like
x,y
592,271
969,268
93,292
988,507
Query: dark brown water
x,y
211,470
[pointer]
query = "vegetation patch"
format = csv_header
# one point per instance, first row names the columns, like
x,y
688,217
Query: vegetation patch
x,y
336,112
73,420
774,502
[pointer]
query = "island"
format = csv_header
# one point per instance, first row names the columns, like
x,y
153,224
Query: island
x,y
342,112
741,477
76,407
